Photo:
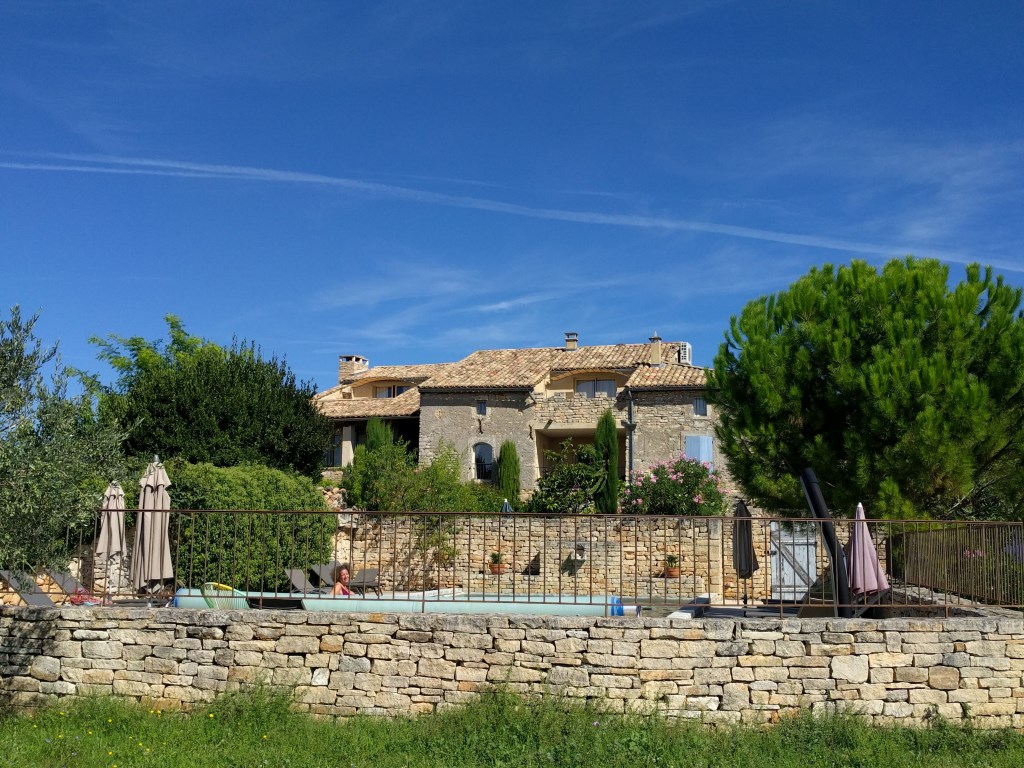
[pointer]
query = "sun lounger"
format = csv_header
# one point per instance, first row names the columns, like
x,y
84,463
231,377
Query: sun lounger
x,y
323,573
367,580
299,580
24,584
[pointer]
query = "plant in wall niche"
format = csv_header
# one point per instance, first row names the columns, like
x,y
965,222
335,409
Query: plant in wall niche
x,y
496,562
671,566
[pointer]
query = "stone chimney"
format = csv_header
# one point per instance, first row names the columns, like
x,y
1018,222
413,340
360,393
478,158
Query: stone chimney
x,y
572,340
349,365
655,350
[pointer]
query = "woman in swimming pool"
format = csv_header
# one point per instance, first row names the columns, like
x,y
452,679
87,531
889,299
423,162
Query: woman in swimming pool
x,y
341,576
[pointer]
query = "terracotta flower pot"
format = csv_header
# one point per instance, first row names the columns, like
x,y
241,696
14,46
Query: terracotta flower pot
x,y
672,573
496,568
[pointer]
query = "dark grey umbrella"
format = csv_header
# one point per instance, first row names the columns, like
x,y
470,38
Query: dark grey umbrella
x,y
506,508
743,558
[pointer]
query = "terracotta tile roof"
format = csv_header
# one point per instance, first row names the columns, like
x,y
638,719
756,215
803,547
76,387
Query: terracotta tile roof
x,y
412,373
494,369
610,356
333,406
667,377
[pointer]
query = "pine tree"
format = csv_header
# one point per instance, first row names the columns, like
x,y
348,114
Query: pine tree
x,y
898,390
606,442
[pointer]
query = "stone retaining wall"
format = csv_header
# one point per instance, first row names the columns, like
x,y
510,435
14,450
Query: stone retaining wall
x,y
395,664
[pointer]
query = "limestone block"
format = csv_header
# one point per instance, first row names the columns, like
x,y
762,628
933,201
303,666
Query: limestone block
x,y
927,696
290,644
911,675
437,668
852,669
944,678
290,676
711,675
701,703
603,660
537,648
95,649
759,661
514,675
161,666
787,649
46,668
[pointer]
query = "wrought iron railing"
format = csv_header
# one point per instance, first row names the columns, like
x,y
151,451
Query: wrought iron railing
x,y
667,565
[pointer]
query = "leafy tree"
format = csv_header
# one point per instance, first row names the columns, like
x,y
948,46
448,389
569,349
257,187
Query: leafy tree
x,y
606,443
55,459
247,551
192,399
508,472
569,487
898,390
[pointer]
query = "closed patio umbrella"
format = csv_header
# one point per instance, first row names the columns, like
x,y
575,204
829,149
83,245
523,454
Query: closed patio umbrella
x,y
865,571
151,552
111,539
744,560
110,543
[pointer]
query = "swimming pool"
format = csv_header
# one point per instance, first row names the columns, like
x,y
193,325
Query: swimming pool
x,y
429,602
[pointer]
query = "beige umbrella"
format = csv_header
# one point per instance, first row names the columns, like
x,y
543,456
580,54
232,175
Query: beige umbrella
x,y
110,543
151,552
111,539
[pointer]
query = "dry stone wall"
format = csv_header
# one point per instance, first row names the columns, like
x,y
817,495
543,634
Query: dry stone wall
x,y
620,555
722,671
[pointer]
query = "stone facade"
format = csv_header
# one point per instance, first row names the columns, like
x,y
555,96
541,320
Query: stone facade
x,y
537,398
721,671
539,423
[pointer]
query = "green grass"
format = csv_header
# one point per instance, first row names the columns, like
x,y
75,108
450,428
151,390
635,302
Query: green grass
x,y
258,729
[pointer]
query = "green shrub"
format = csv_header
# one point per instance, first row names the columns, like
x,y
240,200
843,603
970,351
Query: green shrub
x,y
680,486
568,489
247,551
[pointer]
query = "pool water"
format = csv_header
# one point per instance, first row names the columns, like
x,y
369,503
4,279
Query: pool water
x,y
411,602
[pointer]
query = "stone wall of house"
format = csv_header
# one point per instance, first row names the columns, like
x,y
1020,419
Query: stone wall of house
x,y
723,671
662,419
451,418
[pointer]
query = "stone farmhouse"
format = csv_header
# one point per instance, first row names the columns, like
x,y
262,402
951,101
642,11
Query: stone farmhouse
x,y
537,398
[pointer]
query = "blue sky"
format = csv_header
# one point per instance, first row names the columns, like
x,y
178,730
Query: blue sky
x,y
411,181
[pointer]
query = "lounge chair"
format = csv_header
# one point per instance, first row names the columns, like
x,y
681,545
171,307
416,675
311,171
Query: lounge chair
x,y
24,584
224,597
323,573
299,580
367,580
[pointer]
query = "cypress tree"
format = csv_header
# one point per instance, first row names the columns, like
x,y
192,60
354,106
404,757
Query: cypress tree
x,y
606,443
508,472
378,434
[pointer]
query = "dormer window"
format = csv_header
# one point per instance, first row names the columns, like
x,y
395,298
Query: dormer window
x,y
392,391
595,388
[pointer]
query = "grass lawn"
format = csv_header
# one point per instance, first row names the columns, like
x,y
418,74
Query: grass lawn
x,y
257,729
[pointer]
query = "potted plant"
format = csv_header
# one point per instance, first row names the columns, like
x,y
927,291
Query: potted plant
x,y
496,562
671,567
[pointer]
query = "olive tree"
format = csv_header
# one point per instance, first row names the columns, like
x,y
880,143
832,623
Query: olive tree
x,y
55,458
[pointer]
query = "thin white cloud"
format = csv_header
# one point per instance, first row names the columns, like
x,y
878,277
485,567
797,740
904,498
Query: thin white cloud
x,y
106,164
